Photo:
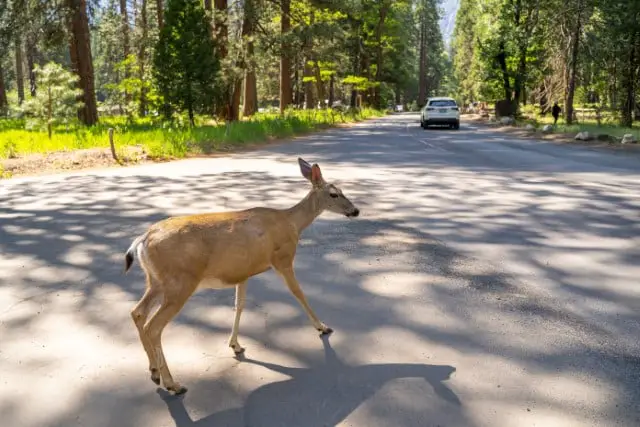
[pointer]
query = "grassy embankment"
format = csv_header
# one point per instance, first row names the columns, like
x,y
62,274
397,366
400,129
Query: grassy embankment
x,y
586,121
163,141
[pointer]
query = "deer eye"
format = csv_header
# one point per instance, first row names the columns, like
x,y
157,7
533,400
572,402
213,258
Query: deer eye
x,y
334,195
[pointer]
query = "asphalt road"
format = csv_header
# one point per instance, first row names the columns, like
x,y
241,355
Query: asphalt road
x,y
489,281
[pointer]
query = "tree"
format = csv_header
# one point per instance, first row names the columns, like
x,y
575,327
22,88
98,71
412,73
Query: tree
x,y
3,94
285,56
81,59
250,106
57,99
185,63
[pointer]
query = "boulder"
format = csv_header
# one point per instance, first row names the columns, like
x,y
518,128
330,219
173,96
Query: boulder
x,y
629,139
547,129
530,127
507,121
583,136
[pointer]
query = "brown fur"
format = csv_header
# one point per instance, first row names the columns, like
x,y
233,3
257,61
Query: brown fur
x,y
216,250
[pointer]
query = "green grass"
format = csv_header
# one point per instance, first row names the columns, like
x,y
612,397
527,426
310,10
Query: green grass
x,y
587,123
164,140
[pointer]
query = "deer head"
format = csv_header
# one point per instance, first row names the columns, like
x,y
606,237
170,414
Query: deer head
x,y
329,195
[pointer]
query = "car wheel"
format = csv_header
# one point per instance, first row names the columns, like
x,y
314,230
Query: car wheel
x,y
456,126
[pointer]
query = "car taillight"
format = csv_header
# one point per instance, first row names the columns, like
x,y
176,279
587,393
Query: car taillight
x,y
454,108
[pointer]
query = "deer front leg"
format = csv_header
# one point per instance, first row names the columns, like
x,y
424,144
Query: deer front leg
x,y
241,292
292,283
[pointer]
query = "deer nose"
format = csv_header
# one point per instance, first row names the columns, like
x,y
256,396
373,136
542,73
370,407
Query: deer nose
x,y
354,213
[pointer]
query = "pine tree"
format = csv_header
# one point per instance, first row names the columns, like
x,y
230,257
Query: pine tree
x,y
56,98
186,64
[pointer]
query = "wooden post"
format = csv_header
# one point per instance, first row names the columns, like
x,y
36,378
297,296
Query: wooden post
x,y
113,147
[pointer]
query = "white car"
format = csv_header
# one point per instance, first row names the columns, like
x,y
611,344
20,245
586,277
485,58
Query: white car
x,y
440,111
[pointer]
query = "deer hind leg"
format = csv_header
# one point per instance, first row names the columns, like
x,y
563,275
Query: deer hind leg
x,y
171,305
139,314
241,292
289,277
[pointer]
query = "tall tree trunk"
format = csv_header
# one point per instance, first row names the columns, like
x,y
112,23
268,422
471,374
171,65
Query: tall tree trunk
x,y
308,66
521,77
250,106
285,57
298,97
243,61
126,49
160,11
81,60
629,83
3,93
356,63
422,78
221,34
31,63
319,84
384,9
502,62
332,90
142,58
19,70
573,67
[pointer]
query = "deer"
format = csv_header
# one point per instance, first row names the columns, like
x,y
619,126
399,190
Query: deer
x,y
181,255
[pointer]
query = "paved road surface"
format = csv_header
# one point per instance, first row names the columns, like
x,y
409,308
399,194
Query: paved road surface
x,y
489,281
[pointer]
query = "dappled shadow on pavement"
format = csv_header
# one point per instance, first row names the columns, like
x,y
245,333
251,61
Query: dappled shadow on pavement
x,y
326,394
394,292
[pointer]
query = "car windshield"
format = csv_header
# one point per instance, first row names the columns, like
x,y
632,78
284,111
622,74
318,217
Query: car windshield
x,y
442,103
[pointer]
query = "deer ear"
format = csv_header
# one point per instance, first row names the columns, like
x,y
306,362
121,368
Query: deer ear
x,y
305,168
316,174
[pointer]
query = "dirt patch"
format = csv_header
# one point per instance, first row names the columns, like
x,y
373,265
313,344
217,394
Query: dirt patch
x,y
554,137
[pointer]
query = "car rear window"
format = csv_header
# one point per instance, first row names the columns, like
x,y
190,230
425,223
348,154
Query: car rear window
x,y
442,103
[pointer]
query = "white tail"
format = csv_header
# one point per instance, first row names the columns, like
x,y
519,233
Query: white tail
x,y
218,250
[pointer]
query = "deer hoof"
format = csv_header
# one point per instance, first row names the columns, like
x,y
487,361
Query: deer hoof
x,y
155,376
177,389
325,331
237,348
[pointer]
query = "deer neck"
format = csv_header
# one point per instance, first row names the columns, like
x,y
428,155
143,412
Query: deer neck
x,y
306,211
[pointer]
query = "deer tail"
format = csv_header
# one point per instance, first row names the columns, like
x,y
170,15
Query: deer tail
x,y
129,256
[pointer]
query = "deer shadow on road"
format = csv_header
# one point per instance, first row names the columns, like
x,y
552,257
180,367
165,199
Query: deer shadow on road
x,y
326,394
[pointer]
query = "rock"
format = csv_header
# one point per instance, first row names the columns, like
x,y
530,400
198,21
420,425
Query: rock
x,y
547,129
530,127
629,139
507,121
583,136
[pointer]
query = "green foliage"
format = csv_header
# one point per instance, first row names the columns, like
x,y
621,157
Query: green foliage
x,y
56,100
186,65
176,138
541,41
126,93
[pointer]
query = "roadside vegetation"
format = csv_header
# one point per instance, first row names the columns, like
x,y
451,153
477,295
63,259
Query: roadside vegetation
x,y
181,77
523,57
162,140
